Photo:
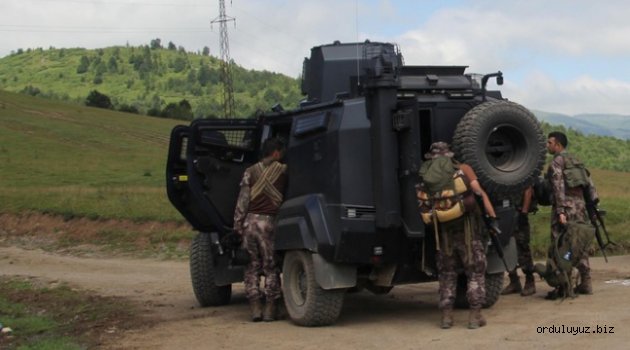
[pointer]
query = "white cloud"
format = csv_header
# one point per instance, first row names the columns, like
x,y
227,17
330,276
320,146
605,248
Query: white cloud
x,y
539,44
527,37
575,96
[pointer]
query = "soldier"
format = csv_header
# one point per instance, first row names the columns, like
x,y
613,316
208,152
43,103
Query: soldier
x,y
260,197
525,261
567,204
460,246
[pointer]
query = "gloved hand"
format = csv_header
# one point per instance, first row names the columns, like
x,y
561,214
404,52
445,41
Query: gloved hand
x,y
522,219
493,225
232,239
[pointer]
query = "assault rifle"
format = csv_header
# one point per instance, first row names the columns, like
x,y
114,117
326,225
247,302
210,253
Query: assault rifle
x,y
493,227
595,215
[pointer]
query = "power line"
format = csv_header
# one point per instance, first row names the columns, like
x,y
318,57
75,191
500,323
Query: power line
x,y
126,3
102,31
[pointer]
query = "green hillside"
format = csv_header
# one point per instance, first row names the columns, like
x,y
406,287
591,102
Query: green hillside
x,y
146,77
598,152
78,161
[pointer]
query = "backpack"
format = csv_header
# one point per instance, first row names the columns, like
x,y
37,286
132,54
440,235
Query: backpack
x,y
444,191
564,254
575,173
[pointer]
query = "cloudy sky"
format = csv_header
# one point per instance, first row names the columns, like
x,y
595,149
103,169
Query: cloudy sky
x,y
565,56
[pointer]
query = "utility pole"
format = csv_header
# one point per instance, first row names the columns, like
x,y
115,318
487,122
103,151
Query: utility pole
x,y
226,69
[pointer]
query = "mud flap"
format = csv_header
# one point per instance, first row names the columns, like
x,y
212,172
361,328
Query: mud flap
x,y
333,276
495,265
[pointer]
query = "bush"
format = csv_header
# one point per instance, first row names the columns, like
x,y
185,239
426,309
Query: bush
x,y
83,65
182,110
31,90
128,108
99,100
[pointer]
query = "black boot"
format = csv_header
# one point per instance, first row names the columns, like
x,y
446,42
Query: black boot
x,y
476,319
269,312
514,286
530,285
586,285
447,318
255,307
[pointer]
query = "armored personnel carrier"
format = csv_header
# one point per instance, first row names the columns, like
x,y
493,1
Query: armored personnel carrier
x,y
350,217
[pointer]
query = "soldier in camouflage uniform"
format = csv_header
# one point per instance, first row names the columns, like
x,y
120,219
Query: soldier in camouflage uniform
x,y
522,235
567,204
462,247
260,197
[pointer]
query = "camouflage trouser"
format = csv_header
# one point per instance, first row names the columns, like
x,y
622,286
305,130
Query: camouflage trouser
x,y
258,241
575,212
522,236
474,266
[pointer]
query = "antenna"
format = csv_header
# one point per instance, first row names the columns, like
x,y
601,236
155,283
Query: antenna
x,y
226,69
356,19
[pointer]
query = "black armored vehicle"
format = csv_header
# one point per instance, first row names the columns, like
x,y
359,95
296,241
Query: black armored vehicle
x,y
350,219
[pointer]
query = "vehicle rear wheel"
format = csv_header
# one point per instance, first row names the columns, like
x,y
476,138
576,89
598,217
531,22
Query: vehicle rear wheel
x,y
202,273
306,302
503,142
494,284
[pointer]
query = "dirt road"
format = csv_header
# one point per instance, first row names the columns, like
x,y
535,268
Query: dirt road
x,y
407,318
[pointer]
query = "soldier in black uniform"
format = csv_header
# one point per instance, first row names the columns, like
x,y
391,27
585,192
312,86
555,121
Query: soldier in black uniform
x,y
522,235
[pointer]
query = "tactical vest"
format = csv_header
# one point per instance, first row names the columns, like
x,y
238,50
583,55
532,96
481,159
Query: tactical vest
x,y
575,175
444,191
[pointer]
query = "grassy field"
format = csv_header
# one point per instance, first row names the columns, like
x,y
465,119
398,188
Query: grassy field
x,y
79,162
614,192
59,317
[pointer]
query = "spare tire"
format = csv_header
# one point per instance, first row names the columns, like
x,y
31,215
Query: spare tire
x,y
504,143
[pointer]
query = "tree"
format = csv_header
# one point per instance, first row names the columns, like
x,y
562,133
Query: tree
x,y
112,65
272,96
99,100
128,108
180,63
171,46
206,51
84,64
204,75
31,90
156,44
101,68
181,110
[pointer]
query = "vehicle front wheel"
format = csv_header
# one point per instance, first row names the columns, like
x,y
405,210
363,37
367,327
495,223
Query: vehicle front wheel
x,y
306,302
202,273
